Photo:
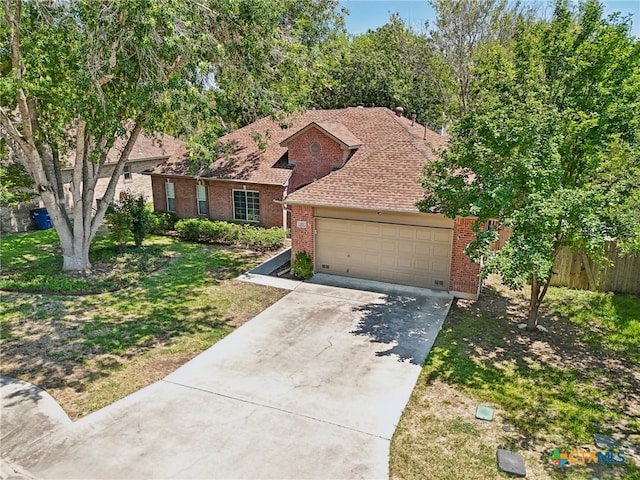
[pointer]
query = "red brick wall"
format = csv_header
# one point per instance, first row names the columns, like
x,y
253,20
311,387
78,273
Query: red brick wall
x,y
185,192
464,273
220,196
157,191
302,238
219,199
308,166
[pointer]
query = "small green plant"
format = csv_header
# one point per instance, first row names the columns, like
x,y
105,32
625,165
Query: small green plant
x,y
302,266
120,224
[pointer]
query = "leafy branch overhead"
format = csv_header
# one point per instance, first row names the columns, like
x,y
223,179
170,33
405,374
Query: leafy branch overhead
x,y
78,78
551,149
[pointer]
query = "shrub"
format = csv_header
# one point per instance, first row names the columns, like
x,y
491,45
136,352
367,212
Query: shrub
x,y
130,215
263,238
161,222
188,229
208,231
135,206
120,223
302,266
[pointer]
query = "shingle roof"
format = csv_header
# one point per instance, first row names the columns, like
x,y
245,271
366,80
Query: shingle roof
x,y
334,129
147,147
384,172
381,174
240,157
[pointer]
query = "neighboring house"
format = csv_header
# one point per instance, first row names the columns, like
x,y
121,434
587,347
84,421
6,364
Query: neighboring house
x,y
345,181
147,152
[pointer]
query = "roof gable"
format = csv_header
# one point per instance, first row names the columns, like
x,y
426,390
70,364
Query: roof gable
x,y
334,130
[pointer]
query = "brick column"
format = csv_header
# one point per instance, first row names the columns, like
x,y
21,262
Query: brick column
x,y
464,281
302,228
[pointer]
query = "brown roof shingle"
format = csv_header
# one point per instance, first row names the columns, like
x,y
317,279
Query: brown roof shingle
x,y
381,174
334,129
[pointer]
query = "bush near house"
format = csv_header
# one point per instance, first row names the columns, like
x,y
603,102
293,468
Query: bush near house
x,y
302,266
161,222
250,236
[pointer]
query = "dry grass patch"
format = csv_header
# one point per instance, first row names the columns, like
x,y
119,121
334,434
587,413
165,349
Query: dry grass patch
x,y
555,389
89,351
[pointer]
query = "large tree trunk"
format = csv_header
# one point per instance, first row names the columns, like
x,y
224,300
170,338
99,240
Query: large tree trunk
x,y
75,257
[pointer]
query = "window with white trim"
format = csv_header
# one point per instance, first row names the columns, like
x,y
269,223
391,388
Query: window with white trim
x,y
246,205
126,172
171,196
201,198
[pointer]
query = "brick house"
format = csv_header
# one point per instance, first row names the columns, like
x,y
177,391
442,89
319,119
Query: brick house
x,y
345,181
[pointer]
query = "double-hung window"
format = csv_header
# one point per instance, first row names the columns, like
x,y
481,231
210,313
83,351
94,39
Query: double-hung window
x,y
171,196
127,173
201,198
246,205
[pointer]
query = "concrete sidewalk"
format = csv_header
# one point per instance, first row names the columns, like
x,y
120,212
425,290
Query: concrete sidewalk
x,y
313,387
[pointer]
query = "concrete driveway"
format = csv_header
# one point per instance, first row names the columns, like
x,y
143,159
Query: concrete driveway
x,y
313,387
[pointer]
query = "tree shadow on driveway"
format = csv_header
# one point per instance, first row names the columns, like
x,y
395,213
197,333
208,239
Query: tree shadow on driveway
x,y
405,326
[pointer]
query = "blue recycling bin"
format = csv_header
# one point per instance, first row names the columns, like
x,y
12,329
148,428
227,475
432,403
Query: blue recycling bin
x,y
42,218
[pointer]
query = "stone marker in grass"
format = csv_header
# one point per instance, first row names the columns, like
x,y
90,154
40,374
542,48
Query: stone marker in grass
x,y
484,412
605,442
511,463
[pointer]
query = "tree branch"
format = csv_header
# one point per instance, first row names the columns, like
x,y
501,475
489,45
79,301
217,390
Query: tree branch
x,y
119,167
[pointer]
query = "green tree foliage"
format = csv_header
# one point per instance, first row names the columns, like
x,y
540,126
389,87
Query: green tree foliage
x,y
78,75
388,67
550,149
16,185
463,28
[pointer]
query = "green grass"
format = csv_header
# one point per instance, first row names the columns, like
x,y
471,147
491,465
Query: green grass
x,y
609,322
90,350
555,389
33,262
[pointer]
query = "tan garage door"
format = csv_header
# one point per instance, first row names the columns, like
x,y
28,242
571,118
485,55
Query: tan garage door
x,y
404,254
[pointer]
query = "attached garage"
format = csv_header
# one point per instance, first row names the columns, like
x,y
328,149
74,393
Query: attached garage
x,y
413,250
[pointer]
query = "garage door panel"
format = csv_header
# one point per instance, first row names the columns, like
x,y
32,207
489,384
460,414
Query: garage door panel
x,y
439,268
425,234
388,261
371,243
440,251
390,231
407,233
370,229
404,254
423,249
442,236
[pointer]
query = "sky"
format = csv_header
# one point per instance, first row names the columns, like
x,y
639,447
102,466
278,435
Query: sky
x,y
371,14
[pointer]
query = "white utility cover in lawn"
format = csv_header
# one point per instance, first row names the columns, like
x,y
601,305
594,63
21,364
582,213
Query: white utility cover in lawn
x,y
313,387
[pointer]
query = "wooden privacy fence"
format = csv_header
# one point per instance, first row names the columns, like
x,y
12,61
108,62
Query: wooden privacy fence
x,y
575,270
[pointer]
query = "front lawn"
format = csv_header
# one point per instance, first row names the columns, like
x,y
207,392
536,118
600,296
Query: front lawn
x,y
33,263
551,390
90,350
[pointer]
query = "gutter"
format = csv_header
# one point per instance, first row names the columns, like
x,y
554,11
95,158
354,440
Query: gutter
x,y
198,177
